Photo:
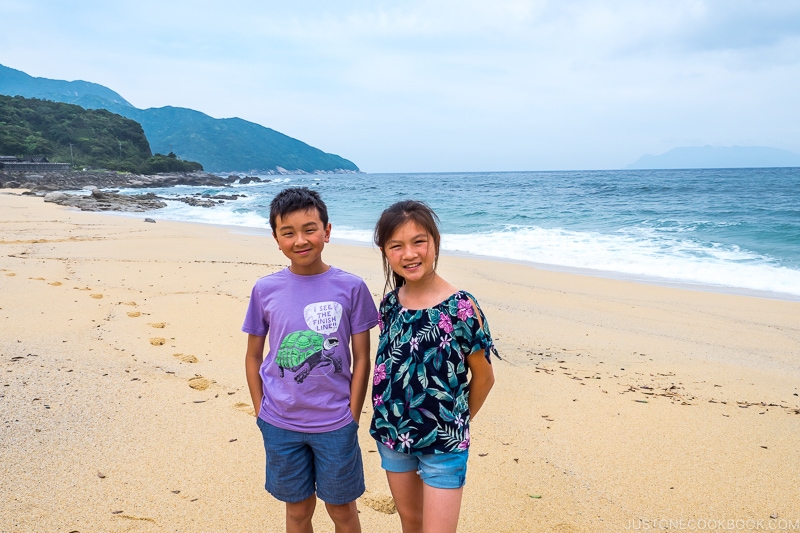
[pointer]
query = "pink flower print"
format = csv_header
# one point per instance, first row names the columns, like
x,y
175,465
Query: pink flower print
x,y
389,443
445,323
465,309
380,373
377,400
464,444
414,343
445,342
405,441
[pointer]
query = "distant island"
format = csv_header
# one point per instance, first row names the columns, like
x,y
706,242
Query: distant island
x,y
220,145
718,157
78,137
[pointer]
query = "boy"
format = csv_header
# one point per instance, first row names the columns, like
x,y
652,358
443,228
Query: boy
x,y
307,399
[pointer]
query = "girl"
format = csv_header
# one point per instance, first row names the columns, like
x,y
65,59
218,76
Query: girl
x,y
432,372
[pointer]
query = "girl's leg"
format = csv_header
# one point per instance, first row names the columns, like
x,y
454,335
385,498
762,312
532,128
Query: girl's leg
x,y
299,515
407,490
345,517
440,509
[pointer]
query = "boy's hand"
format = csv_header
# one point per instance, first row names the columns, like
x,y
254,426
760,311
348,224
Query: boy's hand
x,y
359,381
252,365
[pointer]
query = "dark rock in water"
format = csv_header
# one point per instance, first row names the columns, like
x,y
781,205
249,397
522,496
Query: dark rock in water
x,y
249,179
197,202
11,185
150,220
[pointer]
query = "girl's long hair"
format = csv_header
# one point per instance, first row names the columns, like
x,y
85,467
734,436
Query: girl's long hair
x,y
392,218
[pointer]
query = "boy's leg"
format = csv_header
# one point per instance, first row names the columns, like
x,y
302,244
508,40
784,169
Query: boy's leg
x,y
339,475
290,474
299,515
345,517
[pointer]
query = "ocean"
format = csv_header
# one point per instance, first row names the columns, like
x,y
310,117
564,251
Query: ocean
x,y
731,230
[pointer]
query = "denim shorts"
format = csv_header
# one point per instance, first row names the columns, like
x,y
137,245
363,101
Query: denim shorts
x,y
301,464
440,470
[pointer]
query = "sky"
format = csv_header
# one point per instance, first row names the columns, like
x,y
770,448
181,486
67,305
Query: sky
x,y
442,85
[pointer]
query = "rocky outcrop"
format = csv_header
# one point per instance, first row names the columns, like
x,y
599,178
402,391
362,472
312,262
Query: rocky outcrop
x,y
51,185
75,180
107,201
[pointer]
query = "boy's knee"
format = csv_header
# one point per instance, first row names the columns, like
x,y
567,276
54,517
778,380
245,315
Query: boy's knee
x,y
342,513
300,512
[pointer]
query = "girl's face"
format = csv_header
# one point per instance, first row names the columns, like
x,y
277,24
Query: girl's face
x,y
411,252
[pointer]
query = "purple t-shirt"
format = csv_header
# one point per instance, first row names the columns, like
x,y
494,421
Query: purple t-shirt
x,y
310,320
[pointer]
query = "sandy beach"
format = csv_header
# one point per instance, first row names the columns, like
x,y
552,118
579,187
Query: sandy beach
x,y
618,405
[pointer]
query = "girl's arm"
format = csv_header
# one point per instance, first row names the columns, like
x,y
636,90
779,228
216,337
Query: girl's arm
x,y
252,365
480,382
360,379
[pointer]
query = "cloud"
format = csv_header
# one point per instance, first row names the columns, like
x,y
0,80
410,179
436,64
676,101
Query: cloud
x,y
442,85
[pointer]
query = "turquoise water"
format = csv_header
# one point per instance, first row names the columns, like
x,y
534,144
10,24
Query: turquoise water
x,y
726,228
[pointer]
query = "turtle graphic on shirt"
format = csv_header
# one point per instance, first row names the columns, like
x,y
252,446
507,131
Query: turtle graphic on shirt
x,y
302,351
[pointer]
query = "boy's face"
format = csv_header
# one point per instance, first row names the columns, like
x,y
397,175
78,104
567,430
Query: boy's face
x,y
301,236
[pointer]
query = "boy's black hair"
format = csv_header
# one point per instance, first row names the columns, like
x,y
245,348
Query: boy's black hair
x,y
296,199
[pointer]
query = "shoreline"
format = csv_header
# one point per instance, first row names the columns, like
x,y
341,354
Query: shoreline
x,y
603,274
124,399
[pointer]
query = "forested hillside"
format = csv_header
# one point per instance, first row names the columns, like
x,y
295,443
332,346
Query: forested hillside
x,y
229,144
82,137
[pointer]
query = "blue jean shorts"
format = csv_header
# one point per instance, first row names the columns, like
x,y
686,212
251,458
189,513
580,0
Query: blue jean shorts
x,y
301,464
440,470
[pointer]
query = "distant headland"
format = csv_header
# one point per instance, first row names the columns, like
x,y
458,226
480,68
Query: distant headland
x,y
718,157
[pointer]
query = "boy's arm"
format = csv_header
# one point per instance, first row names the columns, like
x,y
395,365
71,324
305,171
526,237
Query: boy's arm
x,y
252,365
360,379
480,382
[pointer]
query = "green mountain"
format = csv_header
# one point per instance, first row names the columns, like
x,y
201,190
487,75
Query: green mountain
x,y
83,137
221,145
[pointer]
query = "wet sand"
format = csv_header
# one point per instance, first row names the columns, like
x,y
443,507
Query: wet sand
x,y
617,406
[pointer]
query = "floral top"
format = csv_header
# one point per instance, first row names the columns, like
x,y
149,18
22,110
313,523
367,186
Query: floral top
x,y
420,386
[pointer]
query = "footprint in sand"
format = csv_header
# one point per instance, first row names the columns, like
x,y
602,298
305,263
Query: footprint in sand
x,y
130,303
97,296
245,408
158,341
10,274
159,325
37,279
55,283
382,504
134,314
199,383
186,358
